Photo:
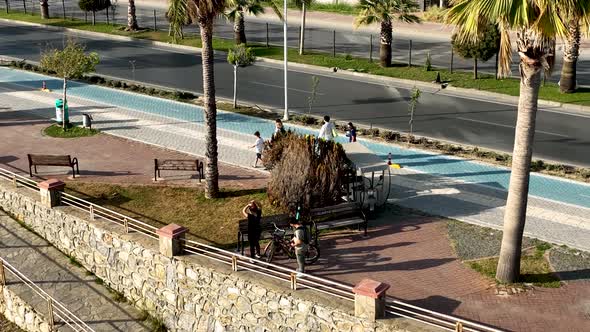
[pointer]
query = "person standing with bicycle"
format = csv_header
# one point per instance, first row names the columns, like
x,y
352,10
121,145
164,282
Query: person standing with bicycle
x,y
300,242
253,212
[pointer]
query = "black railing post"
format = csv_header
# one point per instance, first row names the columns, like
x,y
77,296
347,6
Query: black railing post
x,y
371,48
452,58
267,38
155,22
63,7
410,54
334,43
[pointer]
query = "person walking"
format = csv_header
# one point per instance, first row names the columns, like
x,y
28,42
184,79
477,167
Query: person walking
x,y
259,146
327,131
253,212
300,242
351,132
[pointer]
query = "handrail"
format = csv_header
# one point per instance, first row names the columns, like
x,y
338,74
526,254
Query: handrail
x,y
238,261
57,309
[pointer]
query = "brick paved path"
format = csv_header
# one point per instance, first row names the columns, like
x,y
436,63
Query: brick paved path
x,y
52,271
103,158
415,257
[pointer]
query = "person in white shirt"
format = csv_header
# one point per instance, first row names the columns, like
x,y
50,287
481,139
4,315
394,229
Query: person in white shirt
x,y
259,146
327,131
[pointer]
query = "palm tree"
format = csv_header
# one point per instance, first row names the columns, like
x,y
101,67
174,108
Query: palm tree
x,y
44,8
204,12
384,12
537,23
236,11
571,51
131,18
302,4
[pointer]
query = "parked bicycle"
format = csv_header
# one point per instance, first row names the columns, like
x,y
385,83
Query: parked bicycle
x,y
280,243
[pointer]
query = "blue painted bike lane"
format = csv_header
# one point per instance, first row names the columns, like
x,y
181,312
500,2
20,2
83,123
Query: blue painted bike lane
x,y
552,188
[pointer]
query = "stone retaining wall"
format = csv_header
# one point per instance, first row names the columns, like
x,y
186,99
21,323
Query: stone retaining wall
x,y
21,313
189,293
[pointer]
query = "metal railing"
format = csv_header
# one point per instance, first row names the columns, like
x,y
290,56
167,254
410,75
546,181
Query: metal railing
x,y
55,308
19,179
433,318
240,262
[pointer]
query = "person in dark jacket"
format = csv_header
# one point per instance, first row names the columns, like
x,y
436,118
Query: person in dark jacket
x,y
351,132
253,212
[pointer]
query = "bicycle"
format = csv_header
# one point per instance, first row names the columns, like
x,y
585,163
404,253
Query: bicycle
x,y
280,244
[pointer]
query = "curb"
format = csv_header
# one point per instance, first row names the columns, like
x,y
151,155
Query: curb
x,y
384,80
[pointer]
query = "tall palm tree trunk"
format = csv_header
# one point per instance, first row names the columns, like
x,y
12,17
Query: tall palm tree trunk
x,y
386,38
514,218
211,170
63,108
44,4
239,28
571,52
131,18
302,33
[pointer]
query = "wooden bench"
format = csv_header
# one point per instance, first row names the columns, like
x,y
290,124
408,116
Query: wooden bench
x,y
178,165
267,228
341,215
52,160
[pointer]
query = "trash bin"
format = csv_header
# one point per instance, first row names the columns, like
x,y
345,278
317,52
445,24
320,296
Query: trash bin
x,y
58,105
87,121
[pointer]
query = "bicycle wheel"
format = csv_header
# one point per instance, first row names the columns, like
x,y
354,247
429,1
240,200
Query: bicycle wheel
x,y
270,251
266,249
313,254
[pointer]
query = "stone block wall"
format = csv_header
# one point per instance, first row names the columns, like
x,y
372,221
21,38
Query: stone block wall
x,y
21,313
189,293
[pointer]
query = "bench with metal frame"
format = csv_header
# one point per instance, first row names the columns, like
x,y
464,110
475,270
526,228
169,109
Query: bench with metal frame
x,y
178,165
336,216
52,160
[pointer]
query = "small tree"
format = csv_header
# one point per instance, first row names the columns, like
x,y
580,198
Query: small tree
x,y
428,62
305,171
484,48
414,98
239,56
315,81
94,6
178,17
71,62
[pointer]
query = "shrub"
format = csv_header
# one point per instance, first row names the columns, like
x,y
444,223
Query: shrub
x,y
537,165
348,57
389,135
305,119
434,14
305,171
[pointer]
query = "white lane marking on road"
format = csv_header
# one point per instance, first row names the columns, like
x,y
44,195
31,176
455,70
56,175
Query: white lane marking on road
x,y
281,87
511,127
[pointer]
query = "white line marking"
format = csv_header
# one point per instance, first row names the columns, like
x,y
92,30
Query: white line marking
x,y
511,127
281,87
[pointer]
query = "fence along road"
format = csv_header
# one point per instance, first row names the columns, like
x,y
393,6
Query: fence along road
x,y
349,41
240,262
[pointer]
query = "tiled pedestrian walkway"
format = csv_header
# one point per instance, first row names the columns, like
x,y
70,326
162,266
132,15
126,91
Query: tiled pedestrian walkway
x,y
70,285
437,184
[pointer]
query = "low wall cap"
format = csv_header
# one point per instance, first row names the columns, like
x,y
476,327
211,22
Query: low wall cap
x,y
171,231
52,184
370,288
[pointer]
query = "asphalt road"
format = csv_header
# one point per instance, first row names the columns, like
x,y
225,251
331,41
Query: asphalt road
x,y
559,136
347,41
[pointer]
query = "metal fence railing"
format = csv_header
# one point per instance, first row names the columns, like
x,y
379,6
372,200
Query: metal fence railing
x,y
57,314
336,42
240,262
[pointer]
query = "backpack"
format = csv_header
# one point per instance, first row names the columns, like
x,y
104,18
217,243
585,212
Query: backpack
x,y
305,234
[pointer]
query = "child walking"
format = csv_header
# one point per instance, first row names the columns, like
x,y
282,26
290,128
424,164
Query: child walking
x,y
258,146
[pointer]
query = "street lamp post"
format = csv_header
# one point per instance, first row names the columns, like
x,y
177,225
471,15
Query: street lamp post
x,y
286,113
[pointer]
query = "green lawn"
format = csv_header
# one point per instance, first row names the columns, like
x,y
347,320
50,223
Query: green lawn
x,y
458,79
72,131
